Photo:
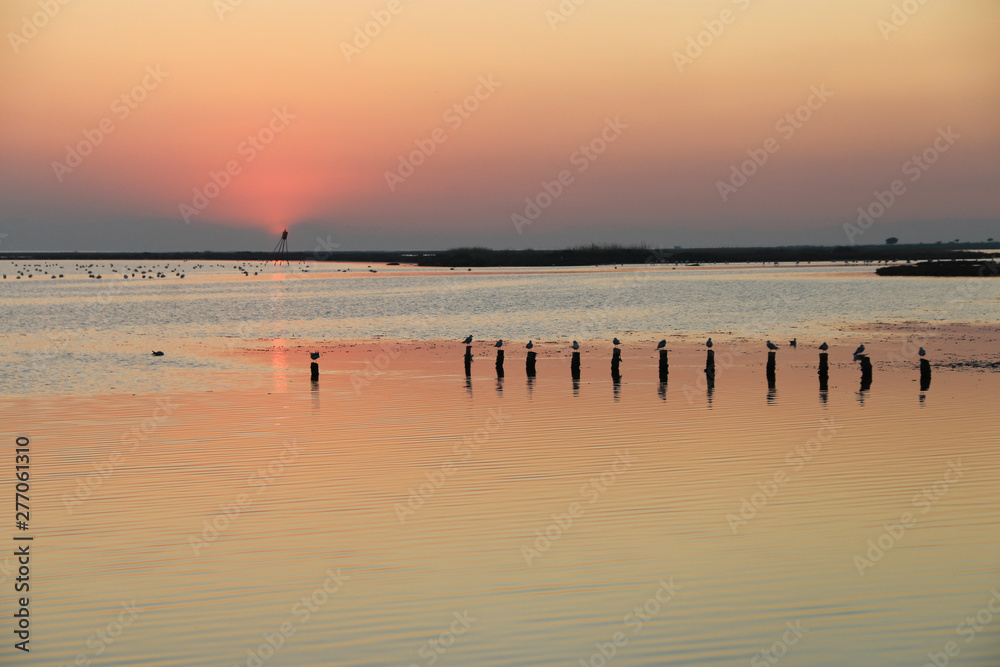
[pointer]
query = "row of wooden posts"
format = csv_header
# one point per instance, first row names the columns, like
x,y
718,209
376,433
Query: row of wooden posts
x,y
664,368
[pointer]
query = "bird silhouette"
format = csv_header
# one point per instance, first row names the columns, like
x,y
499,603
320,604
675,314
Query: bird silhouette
x,y
157,353
529,345
708,343
576,346
771,346
467,340
314,355
616,342
922,352
499,343
662,344
860,350
824,347
794,342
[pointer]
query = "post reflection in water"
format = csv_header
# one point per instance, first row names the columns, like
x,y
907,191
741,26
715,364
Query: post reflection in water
x,y
468,385
576,386
500,385
617,389
662,391
531,385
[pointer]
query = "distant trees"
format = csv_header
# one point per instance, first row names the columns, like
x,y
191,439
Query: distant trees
x,y
892,240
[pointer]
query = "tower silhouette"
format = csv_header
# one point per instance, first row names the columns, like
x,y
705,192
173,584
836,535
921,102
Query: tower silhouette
x,y
281,250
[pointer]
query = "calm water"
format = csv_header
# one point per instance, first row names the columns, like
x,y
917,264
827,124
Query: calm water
x,y
416,517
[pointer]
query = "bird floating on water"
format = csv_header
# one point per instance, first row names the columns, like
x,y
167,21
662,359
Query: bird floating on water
x,y
922,352
771,346
860,350
529,345
499,343
576,346
467,340
708,343
157,353
662,344
824,346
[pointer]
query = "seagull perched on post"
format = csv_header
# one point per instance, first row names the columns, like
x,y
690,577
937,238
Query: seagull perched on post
x,y
314,355
467,341
708,343
576,346
529,345
499,343
860,350
771,346
824,346
922,352
662,344
616,342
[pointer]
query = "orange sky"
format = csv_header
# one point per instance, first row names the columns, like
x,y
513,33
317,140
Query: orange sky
x,y
224,73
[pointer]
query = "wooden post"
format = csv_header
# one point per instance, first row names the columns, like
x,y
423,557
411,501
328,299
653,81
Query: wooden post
x,y
529,364
575,366
925,375
664,366
314,368
499,363
824,371
616,360
866,373
710,366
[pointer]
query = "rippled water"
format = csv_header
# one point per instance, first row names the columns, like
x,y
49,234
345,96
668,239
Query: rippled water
x,y
414,516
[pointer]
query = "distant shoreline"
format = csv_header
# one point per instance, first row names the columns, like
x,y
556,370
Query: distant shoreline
x,y
584,256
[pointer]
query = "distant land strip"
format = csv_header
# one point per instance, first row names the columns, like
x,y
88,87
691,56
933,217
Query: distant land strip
x,y
598,255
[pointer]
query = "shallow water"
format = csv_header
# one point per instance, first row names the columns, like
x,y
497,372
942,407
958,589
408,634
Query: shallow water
x,y
542,513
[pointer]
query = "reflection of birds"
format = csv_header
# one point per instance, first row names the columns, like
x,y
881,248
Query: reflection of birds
x,y
499,343
922,352
616,342
157,353
529,345
467,340
860,350
314,355
708,343
824,347
662,344
771,346
576,346
794,342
